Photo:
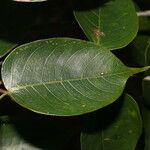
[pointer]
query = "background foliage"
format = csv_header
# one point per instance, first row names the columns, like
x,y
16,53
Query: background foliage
x,y
23,129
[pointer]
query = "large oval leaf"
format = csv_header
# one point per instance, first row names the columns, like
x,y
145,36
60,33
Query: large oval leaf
x,y
113,24
115,128
64,76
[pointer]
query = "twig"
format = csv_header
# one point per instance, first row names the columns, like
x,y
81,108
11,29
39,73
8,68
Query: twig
x,y
144,13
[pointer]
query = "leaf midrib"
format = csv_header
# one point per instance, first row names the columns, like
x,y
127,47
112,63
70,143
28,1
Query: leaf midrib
x,y
11,90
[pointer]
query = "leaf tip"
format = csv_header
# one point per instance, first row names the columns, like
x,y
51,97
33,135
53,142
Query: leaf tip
x,y
138,70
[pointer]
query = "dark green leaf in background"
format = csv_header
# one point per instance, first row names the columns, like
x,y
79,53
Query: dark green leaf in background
x,y
141,56
5,47
116,128
32,134
113,24
141,51
141,44
64,76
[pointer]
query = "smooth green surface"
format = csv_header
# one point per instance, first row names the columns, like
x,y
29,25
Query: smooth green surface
x,y
5,47
64,76
113,24
26,134
116,128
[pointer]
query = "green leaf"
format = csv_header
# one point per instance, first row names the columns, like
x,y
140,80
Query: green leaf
x,y
115,128
141,50
141,44
114,24
5,47
144,24
64,76
41,134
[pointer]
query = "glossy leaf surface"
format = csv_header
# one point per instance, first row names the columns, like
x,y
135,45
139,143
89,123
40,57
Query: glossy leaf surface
x,y
113,24
64,77
115,128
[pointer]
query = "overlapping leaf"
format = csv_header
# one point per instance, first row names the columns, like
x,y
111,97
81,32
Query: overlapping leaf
x,y
5,47
113,24
33,134
141,44
118,130
64,77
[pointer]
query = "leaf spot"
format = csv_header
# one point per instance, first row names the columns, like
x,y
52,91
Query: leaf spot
x,y
97,33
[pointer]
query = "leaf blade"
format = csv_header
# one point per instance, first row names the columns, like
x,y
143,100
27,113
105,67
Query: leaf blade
x,y
114,129
113,24
69,76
